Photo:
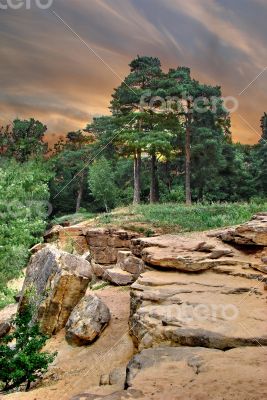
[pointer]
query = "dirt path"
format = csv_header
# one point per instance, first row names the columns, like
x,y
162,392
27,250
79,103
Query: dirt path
x,y
77,369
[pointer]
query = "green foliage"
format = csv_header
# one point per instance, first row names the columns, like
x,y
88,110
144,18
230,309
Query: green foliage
x,y
102,183
175,218
24,199
24,140
21,359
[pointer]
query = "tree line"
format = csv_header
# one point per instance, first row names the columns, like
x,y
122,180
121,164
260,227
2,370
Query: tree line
x,y
168,139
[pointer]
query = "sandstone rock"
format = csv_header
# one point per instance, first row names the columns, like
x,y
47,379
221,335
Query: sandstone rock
x,y
131,394
199,373
100,269
211,309
118,276
87,320
70,239
105,243
253,232
128,262
6,315
104,255
58,281
117,377
4,328
184,254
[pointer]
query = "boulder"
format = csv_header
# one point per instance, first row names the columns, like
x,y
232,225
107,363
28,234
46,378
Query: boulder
x,y
57,281
216,309
252,233
87,321
130,263
198,373
118,276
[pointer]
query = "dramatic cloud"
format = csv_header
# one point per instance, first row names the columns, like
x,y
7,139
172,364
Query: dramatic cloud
x,y
48,72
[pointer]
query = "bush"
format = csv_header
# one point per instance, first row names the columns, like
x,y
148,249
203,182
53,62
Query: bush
x,y
21,359
23,209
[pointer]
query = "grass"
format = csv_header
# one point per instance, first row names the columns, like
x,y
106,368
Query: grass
x,y
174,218
73,219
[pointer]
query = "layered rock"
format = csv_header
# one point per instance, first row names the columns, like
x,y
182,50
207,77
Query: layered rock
x,y
57,281
181,253
210,309
105,243
199,373
71,239
87,320
111,259
252,233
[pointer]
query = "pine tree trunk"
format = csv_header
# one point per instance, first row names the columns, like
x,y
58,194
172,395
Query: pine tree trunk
x,y
80,193
137,177
188,162
154,192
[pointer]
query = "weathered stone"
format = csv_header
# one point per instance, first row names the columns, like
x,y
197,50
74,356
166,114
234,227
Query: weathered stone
x,y
253,232
117,377
118,276
58,281
131,394
104,255
4,328
87,320
105,243
100,269
70,239
6,315
209,310
128,262
38,247
184,254
197,373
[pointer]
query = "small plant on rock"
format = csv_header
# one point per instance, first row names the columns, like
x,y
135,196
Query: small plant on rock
x,y
21,359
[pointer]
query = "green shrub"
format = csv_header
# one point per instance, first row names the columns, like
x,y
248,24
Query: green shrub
x,y
21,359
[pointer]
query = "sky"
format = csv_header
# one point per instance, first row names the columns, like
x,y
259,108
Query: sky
x,y
60,64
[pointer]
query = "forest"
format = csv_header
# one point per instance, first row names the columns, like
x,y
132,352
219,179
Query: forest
x,y
166,142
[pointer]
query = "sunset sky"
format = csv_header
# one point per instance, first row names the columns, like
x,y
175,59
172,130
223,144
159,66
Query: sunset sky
x,y
63,75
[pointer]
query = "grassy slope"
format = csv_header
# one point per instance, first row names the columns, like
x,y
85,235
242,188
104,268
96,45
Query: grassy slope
x,y
174,218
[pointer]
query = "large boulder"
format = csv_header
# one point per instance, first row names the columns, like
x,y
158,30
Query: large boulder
x,y
199,373
130,263
220,308
87,321
56,281
252,233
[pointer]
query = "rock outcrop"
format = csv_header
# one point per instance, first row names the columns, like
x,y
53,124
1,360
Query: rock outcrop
x,y
71,239
105,243
199,373
57,281
111,259
209,310
253,232
87,320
